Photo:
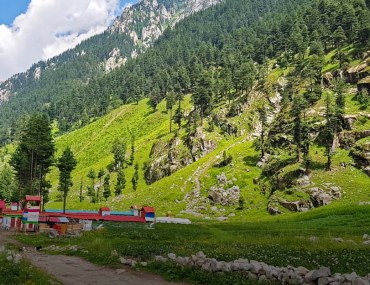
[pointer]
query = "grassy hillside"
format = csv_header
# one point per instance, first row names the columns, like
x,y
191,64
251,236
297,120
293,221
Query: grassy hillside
x,y
92,147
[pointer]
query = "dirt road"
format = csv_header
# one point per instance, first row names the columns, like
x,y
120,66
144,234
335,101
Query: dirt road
x,y
71,270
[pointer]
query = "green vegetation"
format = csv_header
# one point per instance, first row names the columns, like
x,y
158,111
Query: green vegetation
x,y
278,241
21,272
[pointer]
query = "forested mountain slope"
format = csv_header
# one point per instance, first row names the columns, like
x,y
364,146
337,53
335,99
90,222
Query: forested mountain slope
x,y
255,105
47,84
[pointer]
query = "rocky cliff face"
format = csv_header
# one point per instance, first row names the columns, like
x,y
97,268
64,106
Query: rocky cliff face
x,y
146,21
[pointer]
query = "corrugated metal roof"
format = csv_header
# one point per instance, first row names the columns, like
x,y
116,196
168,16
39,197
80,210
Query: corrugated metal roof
x,y
123,219
148,209
33,198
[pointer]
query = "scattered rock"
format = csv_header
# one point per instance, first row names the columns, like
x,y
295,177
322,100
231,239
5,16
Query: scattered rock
x,y
120,271
218,195
221,219
340,240
314,239
304,181
273,211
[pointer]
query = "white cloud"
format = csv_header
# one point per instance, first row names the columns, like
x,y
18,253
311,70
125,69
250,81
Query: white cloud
x,y
50,27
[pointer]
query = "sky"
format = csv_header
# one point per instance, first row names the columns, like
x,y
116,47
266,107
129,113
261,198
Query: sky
x,y
33,30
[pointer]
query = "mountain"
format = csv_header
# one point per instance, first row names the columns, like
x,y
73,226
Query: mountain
x,y
48,81
257,105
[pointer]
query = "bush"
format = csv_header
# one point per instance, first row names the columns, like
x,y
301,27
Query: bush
x,y
227,159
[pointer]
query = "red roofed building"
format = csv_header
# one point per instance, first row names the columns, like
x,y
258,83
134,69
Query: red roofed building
x,y
2,206
33,198
148,213
104,211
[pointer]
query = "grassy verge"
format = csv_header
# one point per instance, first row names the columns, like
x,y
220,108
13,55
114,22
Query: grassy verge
x,y
22,273
278,241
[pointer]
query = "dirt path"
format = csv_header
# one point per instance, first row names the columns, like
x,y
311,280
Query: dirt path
x,y
71,270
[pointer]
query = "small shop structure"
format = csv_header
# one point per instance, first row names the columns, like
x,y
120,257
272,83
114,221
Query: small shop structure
x,y
146,212
30,217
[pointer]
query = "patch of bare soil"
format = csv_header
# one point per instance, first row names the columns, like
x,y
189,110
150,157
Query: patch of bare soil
x,y
71,270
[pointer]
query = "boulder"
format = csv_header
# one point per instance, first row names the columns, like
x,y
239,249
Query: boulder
x,y
273,211
361,281
171,256
218,195
316,274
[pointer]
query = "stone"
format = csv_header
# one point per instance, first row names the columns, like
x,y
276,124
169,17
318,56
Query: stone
x,y
350,277
200,254
120,271
256,267
160,258
252,276
316,274
325,280
244,266
338,239
180,260
214,208
221,219
228,197
365,237
172,256
262,279
302,271
304,181
144,264
273,211
366,242
314,239
226,267
361,281
207,266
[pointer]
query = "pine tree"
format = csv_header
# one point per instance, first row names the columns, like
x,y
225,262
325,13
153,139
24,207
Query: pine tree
x,y
33,156
119,153
135,178
339,37
91,189
106,192
80,196
330,129
121,182
299,104
170,101
340,103
263,120
132,154
66,164
101,174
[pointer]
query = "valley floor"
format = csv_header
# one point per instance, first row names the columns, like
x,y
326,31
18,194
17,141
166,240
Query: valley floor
x,y
331,236
72,270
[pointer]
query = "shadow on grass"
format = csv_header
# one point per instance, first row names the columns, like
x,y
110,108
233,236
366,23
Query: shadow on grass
x,y
316,165
251,160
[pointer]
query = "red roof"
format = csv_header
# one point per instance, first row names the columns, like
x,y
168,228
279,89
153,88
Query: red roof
x,y
2,204
33,198
104,209
123,219
148,209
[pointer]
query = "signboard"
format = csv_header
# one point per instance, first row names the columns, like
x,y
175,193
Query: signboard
x,y
31,217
